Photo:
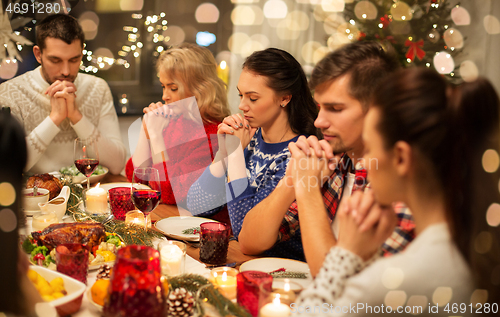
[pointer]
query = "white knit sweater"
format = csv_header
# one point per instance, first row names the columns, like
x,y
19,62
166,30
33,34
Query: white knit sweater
x,y
51,147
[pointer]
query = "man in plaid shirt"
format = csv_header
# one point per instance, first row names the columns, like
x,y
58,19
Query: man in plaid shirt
x,y
343,83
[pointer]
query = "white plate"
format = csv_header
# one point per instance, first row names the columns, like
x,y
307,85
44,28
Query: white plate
x,y
74,288
173,227
93,179
272,264
108,186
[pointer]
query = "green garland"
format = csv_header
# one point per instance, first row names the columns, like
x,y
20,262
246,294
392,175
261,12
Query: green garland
x,y
204,291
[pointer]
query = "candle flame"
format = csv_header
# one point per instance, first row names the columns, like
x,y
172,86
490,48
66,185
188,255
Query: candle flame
x,y
224,276
276,300
97,186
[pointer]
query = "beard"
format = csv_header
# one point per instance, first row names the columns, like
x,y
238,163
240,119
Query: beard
x,y
51,80
338,146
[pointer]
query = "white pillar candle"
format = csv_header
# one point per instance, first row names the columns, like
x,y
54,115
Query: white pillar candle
x,y
172,259
96,200
275,309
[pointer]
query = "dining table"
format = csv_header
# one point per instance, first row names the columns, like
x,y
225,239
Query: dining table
x,y
193,265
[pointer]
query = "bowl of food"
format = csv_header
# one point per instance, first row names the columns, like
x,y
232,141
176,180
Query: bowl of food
x,y
79,178
59,290
32,198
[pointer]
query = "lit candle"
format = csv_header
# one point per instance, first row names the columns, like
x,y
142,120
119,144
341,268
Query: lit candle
x,y
172,259
96,200
135,217
225,280
275,309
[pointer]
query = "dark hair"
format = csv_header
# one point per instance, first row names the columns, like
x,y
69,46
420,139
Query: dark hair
x,y
286,76
59,26
13,156
366,63
450,128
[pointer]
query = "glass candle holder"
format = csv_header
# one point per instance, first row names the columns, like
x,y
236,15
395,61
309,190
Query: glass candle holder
x,y
276,296
214,242
135,217
224,279
43,220
248,289
136,289
73,260
120,201
173,257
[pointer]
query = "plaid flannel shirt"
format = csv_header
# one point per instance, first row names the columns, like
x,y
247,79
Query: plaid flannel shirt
x,y
332,194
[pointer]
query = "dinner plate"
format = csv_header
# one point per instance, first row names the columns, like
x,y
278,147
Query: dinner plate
x,y
173,227
272,264
108,186
93,179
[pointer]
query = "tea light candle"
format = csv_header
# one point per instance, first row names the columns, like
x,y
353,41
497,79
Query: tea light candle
x,y
43,220
225,280
135,217
97,200
275,309
171,259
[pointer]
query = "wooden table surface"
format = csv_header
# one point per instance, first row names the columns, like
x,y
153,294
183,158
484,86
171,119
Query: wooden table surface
x,y
234,253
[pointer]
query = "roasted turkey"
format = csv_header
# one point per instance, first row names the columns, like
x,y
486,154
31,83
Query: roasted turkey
x,y
47,181
89,233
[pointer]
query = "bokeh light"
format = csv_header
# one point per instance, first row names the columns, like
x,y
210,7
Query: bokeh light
x,y
308,49
285,33
479,296
251,46
320,14
262,39
337,40
493,215
349,30
444,63
332,22
174,35
433,36
8,68
491,24
453,38
207,13
393,277
8,220
247,15
106,56
400,27
333,5
468,70
275,9
365,10
89,22
418,303
401,11
460,16
131,5
442,295
297,21
490,161
244,1
319,53
483,241
395,299
7,194
236,42
205,38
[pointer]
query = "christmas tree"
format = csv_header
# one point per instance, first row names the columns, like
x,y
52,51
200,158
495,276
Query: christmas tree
x,y
421,31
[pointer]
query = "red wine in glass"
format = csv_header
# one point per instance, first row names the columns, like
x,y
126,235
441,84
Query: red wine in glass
x,y
145,190
86,166
86,157
146,199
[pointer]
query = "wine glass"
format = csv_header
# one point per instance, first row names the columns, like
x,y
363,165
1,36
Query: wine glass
x,y
146,199
86,157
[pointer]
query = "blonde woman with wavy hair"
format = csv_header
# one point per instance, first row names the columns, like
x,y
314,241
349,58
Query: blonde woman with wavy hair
x,y
184,71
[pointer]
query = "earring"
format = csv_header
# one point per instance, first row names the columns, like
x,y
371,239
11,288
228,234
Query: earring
x,y
283,106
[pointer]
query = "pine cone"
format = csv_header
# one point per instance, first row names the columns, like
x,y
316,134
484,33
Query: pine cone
x,y
104,272
180,303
